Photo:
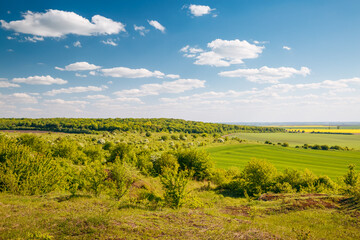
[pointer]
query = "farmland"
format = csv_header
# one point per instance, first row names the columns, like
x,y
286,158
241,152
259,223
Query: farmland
x,y
294,139
120,183
331,163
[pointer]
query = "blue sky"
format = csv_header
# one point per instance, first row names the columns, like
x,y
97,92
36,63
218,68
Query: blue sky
x,y
221,61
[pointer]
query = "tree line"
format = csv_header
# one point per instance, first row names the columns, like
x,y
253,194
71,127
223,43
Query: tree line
x,y
92,125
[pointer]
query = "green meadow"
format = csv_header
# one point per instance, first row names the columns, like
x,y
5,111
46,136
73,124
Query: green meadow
x,y
351,141
331,163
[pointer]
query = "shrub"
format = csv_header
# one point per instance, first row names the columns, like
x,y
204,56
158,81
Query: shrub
x,y
25,172
164,162
351,178
120,179
164,137
197,161
174,184
259,176
324,147
94,176
148,134
285,144
121,150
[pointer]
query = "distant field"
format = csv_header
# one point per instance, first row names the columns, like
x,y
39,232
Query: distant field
x,y
324,130
351,141
319,127
331,163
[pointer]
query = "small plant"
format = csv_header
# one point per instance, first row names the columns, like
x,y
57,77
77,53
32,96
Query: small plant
x,y
120,179
174,184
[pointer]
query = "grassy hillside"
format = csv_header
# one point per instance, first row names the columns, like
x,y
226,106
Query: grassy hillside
x,y
330,163
351,141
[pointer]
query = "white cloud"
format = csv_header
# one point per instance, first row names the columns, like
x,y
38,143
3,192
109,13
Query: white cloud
x,y
10,50
177,86
77,44
287,48
5,84
75,90
21,98
92,73
40,80
34,39
173,76
224,53
123,72
79,66
141,29
80,75
157,25
96,97
200,10
109,42
62,102
266,74
57,23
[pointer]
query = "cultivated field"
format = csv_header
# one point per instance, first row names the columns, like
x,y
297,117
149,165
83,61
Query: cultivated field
x,y
331,163
294,139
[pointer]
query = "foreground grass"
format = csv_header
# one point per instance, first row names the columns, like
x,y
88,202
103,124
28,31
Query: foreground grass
x,y
351,141
331,163
84,217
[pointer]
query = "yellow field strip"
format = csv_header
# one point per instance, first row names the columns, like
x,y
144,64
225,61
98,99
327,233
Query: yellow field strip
x,y
309,130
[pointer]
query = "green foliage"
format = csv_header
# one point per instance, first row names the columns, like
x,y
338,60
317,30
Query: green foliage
x,y
166,161
174,184
197,161
121,150
259,176
69,149
351,178
86,125
25,172
93,177
120,178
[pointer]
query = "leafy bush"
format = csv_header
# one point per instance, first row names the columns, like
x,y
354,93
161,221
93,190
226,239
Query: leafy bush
x,y
94,176
121,150
197,161
120,179
166,161
25,172
174,184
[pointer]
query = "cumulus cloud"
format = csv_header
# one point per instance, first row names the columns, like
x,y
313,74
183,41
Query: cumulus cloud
x,y
80,75
287,48
5,84
34,39
40,80
124,72
177,86
141,29
57,23
199,10
224,53
157,25
109,42
77,44
173,76
79,66
62,102
266,74
22,98
75,90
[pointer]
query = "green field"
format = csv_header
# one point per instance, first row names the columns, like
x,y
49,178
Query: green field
x,y
351,141
331,163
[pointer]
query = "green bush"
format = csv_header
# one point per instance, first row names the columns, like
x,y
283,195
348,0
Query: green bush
x,y
197,161
174,184
165,162
121,150
93,177
25,172
120,179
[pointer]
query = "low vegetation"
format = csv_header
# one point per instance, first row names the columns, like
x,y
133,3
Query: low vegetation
x,y
166,185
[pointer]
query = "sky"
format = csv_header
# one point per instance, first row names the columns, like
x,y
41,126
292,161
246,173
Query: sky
x,y
213,61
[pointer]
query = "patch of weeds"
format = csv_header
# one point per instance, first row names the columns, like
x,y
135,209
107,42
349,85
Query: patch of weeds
x,y
302,234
